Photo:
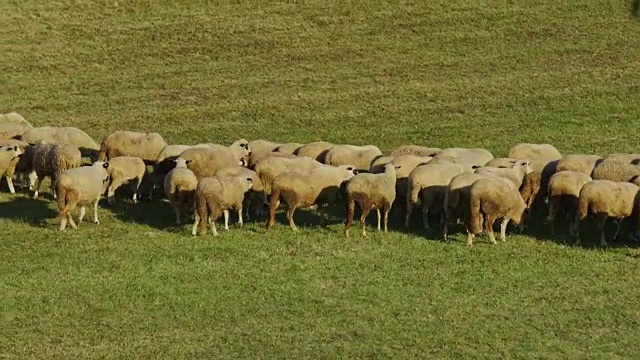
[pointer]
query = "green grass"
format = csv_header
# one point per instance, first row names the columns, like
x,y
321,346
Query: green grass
x,y
485,73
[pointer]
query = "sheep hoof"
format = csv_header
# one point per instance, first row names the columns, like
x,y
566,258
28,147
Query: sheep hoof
x,y
96,222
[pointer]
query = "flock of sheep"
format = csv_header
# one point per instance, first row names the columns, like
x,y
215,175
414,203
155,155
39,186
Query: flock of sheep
x,y
206,181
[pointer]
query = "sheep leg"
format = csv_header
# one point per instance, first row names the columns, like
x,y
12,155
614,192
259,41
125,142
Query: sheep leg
x,y
470,237
363,218
240,222
95,211
10,184
619,225
379,218
176,210
54,181
408,212
290,211
387,209
489,228
552,216
226,219
601,220
196,222
503,229
136,187
425,217
38,183
212,224
83,211
70,220
115,184
32,178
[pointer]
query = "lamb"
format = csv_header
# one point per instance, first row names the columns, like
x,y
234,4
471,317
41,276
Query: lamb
x,y
562,194
289,148
51,160
427,185
534,152
269,168
14,118
605,199
80,186
11,130
145,145
63,135
301,190
123,169
371,191
9,157
359,156
315,150
415,150
256,197
615,171
490,200
206,161
579,162
215,195
180,187
475,155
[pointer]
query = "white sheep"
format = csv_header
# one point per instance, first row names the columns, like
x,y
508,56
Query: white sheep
x,y
63,135
180,186
145,145
9,157
359,156
123,169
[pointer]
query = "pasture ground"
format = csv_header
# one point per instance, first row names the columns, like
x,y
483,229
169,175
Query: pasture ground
x,y
445,73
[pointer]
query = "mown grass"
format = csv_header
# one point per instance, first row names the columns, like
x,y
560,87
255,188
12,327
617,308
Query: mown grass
x,y
439,73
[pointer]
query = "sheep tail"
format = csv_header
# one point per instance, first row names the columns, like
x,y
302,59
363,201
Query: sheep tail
x,y
202,212
583,208
273,206
63,209
475,216
351,205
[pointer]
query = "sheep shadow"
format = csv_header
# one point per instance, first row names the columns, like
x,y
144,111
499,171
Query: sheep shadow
x,y
33,211
155,213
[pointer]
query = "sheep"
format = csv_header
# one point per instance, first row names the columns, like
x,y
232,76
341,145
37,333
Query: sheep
x,y
256,197
490,200
427,185
63,135
289,148
51,160
269,168
615,171
415,150
377,165
206,161
605,199
623,157
516,173
534,152
238,149
145,145
407,163
562,194
11,130
579,162
21,164
371,191
500,162
14,118
301,190
166,159
534,189
123,169
179,187
9,157
259,150
216,195
474,155
315,150
80,186
255,159
359,156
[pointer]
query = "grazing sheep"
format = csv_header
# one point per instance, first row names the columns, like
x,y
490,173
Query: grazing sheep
x,y
315,150
359,156
289,148
269,168
80,186
475,155
9,157
11,130
123,169
624,158
377,165
407,163
206,161
579,162
63,135
145,145
51,160
562,194
427,186
371,191
490,200
534,152
415,150
300,190
21,164
180,188
260,149
500,162
14,118
516,173
216,195
254,160
238,149
256,198
605,199
166,159
615,171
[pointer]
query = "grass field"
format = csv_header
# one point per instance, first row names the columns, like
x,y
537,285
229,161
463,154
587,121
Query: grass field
x,y
442,73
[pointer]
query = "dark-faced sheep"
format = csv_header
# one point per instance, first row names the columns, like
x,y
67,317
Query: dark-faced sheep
x,y
371,191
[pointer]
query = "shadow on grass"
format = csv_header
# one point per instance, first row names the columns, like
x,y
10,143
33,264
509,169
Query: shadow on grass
x,y
33,211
